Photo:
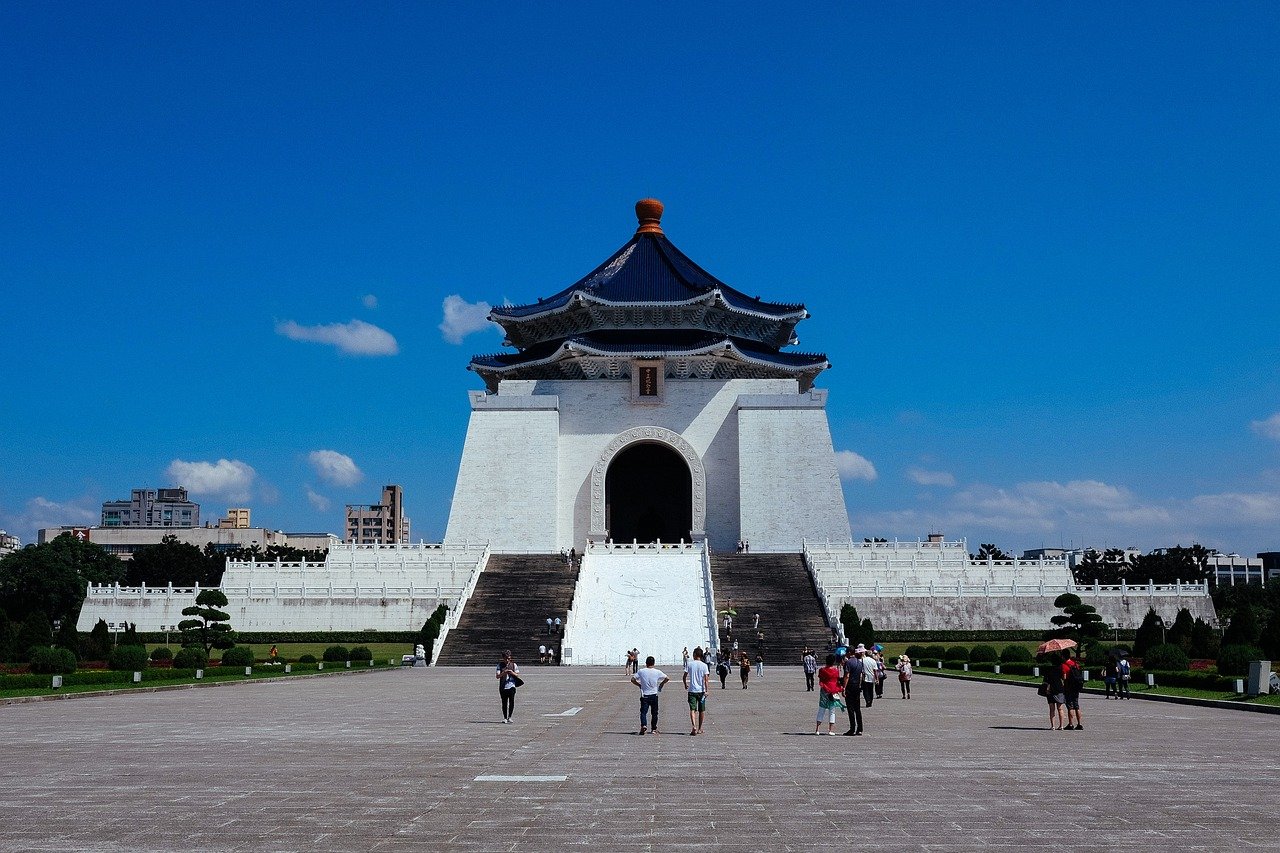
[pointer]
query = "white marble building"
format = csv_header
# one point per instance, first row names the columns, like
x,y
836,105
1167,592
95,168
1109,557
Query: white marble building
x,y
648,401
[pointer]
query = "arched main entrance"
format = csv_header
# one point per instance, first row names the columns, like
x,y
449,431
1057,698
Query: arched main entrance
x,y
649,495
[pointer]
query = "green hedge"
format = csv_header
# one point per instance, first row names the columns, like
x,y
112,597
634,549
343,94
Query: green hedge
x,y
1197,680
110,678
266,638
1018,668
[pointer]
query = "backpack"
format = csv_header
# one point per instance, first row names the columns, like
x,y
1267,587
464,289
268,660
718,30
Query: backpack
x,y
1123,669
1075,677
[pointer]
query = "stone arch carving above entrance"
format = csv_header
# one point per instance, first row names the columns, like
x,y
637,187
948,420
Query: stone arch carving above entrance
x,y
659,435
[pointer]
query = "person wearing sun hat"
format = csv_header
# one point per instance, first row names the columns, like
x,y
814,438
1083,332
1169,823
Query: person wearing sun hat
x,y
904,675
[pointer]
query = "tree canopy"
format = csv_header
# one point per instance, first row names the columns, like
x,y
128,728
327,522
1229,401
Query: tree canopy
x,y
52,578
208,626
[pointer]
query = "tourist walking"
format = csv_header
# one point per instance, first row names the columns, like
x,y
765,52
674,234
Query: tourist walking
x,y
1072,684
1109,678
1123,672
759,665
508,674
635,661
881,673
810,664
650,681
695,684
744,669
722,666
828,695
685,660
1051,689
904,675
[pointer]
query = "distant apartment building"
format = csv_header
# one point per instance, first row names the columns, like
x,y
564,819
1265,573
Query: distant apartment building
x,y
379,524
1231,569
237,518
8,543
152,508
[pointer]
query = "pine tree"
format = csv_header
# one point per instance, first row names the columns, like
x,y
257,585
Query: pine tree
x,y
1180,632
1148,635
209,629
1244,629
852,624
866,633
35,632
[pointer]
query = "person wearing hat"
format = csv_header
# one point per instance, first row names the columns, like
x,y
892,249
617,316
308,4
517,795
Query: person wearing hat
x,y
904,675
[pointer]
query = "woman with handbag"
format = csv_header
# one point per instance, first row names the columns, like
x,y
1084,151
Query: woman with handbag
x,y
508,674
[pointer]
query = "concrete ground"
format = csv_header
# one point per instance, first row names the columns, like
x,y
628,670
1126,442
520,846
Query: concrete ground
x,y
418,760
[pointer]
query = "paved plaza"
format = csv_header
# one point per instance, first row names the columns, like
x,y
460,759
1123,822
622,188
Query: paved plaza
x,y
419,760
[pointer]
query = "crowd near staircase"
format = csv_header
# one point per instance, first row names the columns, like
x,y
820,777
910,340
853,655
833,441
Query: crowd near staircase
x,y
509,608
778,587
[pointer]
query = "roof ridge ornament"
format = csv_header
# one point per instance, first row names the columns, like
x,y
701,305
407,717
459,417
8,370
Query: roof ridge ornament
x,y
649,212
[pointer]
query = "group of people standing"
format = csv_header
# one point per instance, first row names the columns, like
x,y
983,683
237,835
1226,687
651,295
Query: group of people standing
x,y
850,683
650,680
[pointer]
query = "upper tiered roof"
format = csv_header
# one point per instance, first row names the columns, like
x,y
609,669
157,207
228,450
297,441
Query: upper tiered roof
x,y
649,300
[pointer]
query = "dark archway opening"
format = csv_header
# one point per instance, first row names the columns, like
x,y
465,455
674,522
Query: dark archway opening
x,y
648,493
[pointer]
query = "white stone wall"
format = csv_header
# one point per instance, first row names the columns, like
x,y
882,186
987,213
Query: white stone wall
x,y
516,469
266,612
787,472
506,493
1008,613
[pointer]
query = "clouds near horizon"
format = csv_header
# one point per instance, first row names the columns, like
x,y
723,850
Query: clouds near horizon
x,y
853,466
227,478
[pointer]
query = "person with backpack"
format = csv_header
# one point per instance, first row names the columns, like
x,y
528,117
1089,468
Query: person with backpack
x,y
1123,671
1072,684
1051,689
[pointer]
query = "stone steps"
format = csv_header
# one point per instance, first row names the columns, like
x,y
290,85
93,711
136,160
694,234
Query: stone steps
x,y
509,608
778,587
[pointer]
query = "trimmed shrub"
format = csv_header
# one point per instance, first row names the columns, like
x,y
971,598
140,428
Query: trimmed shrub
x,y
983,666
1234,660
162,653
361,653
307,659
1196,680
983,654
128,658
1166,657
959,653
935,652
917,652
1017,668
1016,654
191,657
954,664
46,661
337,654
238,656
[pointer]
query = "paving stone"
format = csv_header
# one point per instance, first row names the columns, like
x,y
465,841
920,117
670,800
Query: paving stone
x,y
388,762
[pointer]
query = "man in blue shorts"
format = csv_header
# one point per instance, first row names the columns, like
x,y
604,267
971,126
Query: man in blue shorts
x,y
695,683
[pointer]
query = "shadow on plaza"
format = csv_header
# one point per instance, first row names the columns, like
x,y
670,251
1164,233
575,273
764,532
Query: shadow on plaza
x,y
1021,728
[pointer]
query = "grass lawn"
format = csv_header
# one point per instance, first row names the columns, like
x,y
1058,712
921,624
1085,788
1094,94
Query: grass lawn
x,y
211,675
1135,689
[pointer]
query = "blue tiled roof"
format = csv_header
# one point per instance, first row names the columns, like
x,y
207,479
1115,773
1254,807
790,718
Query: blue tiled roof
x,y
649,269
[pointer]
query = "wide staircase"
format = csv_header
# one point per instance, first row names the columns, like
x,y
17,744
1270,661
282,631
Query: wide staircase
x,y
778,587
509,609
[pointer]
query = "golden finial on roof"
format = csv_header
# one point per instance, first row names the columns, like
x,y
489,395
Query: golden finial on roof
x,y
649,212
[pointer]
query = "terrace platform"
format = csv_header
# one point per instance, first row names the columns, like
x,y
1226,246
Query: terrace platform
x,y
413,760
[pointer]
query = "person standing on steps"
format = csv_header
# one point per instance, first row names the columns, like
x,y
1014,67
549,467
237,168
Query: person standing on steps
x,y
695,684
810,664
650,681
508,673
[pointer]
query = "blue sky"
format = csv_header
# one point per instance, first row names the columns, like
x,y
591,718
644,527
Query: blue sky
x,y
1039,244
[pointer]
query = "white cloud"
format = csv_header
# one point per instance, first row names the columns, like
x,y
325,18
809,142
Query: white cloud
x,y
335,468
40,512
851,466
318,502
931,478
1270,428
354,338
462,318
228,478
1235,508
369,301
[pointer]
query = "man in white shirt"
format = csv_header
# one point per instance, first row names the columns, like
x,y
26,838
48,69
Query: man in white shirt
x,y
695,683
650,681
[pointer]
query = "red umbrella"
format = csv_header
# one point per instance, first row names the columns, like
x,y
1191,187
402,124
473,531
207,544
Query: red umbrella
x,y
1055,646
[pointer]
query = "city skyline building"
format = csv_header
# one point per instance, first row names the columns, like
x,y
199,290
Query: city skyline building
x,y
152,508
378,524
